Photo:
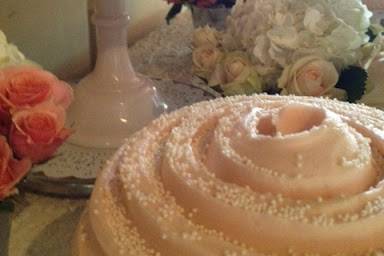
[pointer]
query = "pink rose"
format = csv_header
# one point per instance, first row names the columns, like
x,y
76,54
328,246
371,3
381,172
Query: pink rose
x,y
11,170
22,87
36,133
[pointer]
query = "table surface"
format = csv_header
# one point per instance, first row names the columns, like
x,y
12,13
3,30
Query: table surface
x,y
44,225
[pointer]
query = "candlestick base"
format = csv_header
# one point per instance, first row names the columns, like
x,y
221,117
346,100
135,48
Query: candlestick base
x,y
103,118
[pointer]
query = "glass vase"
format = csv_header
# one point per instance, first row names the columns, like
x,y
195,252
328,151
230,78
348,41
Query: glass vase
x,y
214,17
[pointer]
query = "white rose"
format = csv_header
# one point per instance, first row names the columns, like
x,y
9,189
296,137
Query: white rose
x,y
309,76
234,65
236,75
205,58
205,36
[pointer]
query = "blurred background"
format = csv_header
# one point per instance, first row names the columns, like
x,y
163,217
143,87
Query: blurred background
x,y
57,35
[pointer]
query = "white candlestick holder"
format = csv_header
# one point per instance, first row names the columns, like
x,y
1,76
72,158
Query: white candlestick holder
x,y
113,101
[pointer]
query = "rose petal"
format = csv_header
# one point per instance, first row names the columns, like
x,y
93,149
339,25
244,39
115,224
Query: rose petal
x,y
63,94
13,175
5,122
47,108
5,155
11,171
37,152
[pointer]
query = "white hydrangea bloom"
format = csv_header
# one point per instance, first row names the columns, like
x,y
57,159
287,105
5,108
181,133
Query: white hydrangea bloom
x,y
10,54
279,32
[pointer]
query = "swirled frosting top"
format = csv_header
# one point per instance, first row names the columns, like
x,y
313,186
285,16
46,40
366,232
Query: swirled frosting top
x,y
261,175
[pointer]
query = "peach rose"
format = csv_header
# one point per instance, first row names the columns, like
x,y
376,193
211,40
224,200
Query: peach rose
x,y
36,133
309,76
11,170
24,86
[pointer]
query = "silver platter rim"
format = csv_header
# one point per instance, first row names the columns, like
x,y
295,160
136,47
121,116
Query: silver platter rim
x,y
70,187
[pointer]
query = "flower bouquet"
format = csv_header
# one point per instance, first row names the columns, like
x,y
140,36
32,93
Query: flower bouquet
x,y
302,47
33,105
204,12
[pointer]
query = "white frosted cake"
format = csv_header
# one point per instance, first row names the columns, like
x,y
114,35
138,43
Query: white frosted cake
x,y
261,175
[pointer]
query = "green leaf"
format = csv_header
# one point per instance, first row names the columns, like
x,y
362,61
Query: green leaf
x,y
6,206
176,9
353,80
